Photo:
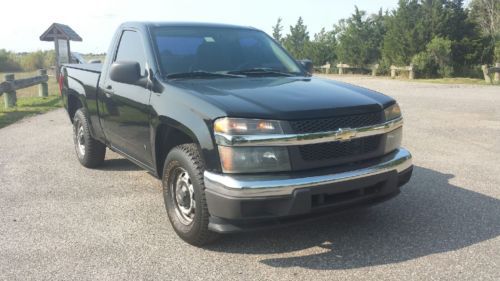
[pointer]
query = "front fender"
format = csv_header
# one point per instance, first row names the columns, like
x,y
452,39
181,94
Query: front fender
x,y
190,115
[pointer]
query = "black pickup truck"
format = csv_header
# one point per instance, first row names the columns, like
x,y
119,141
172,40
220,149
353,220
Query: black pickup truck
x,y
241,134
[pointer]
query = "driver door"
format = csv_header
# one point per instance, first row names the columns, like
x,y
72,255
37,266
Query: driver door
x,y
126,113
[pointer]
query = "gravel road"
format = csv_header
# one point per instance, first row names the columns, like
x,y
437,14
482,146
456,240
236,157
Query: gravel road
x,y
60,221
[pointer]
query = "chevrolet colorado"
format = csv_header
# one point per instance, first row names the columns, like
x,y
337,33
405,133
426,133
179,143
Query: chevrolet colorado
x,y
241,135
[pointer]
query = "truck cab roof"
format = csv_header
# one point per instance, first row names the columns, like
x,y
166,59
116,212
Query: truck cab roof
x,y
138,24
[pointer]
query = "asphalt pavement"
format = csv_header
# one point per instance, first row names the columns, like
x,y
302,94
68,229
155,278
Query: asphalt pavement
x,y
61,221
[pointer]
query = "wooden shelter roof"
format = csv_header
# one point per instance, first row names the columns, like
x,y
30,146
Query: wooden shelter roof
x,y
60,31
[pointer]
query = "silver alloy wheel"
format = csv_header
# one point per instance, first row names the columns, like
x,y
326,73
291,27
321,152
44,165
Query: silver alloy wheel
x,y
80,139
183,195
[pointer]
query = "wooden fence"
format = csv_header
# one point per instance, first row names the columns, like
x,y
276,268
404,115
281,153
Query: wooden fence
x,y
342,67
10,85
492,70
490,73
325,68
374,69
409,69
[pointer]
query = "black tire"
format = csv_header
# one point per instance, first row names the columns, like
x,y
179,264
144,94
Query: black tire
x,y
186,159
94,151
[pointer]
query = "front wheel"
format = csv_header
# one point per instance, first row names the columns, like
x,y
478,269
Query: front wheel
x,y
184,194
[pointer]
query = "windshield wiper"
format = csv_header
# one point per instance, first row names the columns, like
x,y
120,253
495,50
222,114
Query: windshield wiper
x,y
201,74
260,71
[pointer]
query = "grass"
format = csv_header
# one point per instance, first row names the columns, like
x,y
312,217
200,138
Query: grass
x,y
27,106
458,80
28,102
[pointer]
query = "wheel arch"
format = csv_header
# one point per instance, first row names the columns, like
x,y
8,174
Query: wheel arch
x,y
169,133
74,103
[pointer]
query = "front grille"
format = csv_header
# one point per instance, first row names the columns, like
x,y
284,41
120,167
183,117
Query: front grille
x,y
332,150
334,123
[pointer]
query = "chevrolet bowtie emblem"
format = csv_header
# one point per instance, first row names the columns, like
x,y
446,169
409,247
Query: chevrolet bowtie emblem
x,y
345,134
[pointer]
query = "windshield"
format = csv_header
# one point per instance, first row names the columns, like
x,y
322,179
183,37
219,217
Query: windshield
x,y
220,50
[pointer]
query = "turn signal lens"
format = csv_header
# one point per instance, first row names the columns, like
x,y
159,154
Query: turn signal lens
x,y
265,126
393,140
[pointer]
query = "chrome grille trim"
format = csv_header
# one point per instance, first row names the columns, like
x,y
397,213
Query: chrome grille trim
x,y
343,134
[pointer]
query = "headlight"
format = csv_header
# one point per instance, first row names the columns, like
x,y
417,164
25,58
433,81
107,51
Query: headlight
x,y
251,159
392,112
239,126
393,140
254,159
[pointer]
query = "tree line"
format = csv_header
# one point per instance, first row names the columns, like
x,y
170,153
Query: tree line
x,y
13,62
441,38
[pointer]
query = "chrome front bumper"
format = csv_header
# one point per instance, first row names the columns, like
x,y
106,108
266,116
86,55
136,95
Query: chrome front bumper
x,y
252,186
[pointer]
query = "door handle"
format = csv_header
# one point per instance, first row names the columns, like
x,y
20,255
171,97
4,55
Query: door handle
x,y
109,91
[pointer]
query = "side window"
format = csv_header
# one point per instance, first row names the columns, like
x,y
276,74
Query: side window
x,y
130,48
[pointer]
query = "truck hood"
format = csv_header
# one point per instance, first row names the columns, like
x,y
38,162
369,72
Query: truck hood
x,y
285,98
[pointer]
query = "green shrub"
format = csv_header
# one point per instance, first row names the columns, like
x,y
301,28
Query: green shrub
x,y
33,61
435,61
424,65
8,61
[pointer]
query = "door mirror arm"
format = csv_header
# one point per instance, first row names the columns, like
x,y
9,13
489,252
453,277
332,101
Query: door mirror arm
x,y
143,82
308,66
157,86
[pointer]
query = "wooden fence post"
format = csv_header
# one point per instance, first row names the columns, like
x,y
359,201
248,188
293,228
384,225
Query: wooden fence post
x,y
486,73
325,68
9,98
374,69
43,88
497,74
411,76
393,71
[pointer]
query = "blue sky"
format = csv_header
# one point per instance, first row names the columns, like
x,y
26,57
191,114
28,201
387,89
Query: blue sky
x,y
96,20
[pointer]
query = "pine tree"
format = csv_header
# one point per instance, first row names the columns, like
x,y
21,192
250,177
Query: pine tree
x,y
487,14
405,36
277,29
298,41
360,38
322,49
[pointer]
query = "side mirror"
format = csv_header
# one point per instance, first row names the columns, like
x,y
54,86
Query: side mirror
x,y
127,72
308,65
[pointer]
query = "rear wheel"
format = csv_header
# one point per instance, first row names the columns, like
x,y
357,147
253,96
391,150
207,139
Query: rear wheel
x,y
90,152
184,194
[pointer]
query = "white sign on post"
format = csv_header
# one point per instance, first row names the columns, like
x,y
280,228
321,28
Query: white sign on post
x,y
63,51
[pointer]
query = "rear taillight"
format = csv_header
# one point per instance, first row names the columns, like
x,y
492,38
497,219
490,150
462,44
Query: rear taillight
x,y
61,81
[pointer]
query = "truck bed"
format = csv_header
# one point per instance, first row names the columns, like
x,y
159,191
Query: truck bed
x,y
83,80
